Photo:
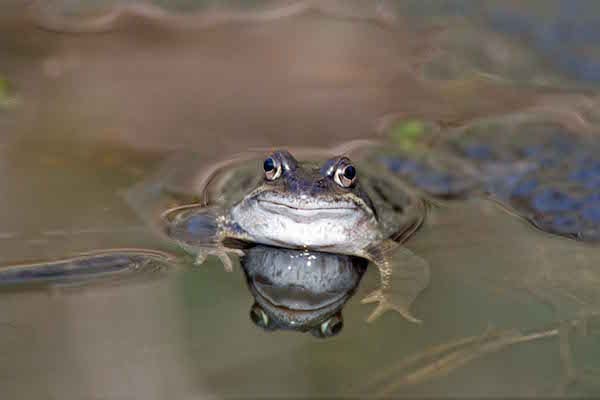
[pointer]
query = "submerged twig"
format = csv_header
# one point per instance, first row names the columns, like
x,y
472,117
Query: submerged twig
x,y
428,354
446,358
459,358
566,358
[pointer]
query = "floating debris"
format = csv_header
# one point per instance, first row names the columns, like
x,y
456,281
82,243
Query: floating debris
x,y
86,267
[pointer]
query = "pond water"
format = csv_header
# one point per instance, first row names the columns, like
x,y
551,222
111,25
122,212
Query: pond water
x,y
90,106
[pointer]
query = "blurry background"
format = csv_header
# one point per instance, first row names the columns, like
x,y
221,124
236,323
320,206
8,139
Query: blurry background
x,y
95,94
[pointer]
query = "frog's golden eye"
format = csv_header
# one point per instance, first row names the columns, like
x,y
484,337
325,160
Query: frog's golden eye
x,y
345,175
329,328
272,168
259,317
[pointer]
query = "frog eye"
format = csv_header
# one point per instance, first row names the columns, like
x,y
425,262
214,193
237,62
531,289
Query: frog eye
x,y
345,175
329,328
272,168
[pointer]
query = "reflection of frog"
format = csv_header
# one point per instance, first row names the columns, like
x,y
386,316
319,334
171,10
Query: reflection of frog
x,y
324,208
300,290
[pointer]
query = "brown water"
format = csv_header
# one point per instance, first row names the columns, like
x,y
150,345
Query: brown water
x,y
86,116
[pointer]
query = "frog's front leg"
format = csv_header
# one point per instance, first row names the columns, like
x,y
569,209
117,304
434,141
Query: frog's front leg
x,y
203,231
403,276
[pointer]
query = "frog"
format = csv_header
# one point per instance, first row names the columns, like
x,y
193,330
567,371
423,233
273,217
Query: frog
x,y
334,206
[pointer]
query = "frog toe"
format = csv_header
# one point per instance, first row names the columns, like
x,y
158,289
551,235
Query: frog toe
x,y
200,258
226,260
384,304
224,256
372,297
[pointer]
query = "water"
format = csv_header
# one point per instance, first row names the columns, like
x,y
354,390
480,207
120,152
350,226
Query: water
x,y
85,117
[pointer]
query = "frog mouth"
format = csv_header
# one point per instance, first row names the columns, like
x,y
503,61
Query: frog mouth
x,y
294,307
296,297
278,206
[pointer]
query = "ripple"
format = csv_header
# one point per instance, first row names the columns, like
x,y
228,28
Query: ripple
x,y
117,263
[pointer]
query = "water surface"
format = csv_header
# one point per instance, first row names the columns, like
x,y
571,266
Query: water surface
x,y
90,115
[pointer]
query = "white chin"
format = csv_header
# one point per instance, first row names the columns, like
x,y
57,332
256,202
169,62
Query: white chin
x,y
334,230
317,233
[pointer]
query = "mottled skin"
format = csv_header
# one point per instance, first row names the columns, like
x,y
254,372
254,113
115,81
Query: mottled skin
x,y
537,169
313,206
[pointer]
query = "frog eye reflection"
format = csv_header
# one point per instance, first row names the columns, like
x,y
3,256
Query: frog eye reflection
x,y
259,317
329,328
272,168
345,175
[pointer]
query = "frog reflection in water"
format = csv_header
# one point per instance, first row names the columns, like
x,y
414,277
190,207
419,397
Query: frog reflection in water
x,y
300,290
326,208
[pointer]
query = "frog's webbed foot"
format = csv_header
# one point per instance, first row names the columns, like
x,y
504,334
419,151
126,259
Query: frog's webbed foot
x,y
385,304
204,231
403,276
223,253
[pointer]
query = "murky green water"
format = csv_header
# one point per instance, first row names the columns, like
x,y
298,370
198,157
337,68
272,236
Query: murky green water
x,y
85,117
